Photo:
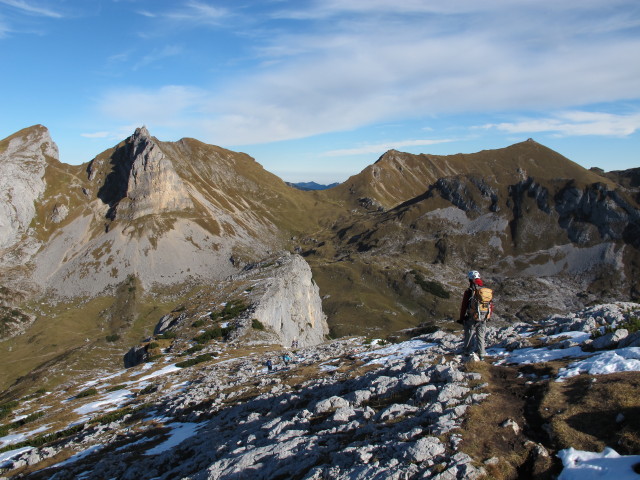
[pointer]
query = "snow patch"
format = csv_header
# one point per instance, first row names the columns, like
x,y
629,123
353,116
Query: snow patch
x,y
525,356
621,360
581,465
395,352
178,433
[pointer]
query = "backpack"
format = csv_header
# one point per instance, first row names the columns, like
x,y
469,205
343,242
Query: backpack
x,y
481,304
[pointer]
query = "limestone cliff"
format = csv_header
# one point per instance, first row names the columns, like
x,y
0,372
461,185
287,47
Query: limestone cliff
x,y
290,305
23,161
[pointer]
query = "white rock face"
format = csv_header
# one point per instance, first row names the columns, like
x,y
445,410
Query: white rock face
x,y
153,186
22,167
291,305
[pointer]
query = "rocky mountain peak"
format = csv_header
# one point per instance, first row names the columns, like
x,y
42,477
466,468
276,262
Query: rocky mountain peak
x,y
23,160
142,180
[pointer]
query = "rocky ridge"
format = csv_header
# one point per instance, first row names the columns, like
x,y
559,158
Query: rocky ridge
x,y
23,159
346,409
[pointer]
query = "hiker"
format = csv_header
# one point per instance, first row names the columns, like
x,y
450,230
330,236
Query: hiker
x,y
476,309
294,344
269,365
286,358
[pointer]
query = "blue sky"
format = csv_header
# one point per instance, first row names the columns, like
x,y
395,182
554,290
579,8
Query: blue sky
x,y
317,90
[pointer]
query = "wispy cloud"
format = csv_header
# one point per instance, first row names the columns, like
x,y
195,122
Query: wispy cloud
x,y
382,147
32,8
170,106
343,65
192,12
95,135
157,55
575,123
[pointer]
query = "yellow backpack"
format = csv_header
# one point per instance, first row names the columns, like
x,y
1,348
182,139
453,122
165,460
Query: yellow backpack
x,y
481,304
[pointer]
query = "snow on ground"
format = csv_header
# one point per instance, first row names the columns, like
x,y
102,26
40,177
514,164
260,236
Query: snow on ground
x,y
163,371
580,465
116,399
178,433
80,455
525,356
395,352
576,336
611,361
19,437
5,457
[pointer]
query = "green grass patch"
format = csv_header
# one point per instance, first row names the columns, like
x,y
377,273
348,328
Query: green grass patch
x,y
231,310
430,286
116,388
148,389
198,323
212,334
112,338
257,324
205,357
41,440
167,336
6,408
192,350
87,393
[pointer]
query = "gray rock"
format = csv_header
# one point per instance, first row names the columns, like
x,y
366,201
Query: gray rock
x,y
632,340
610,340
426,393
452,392
395,411
135,356
424,449
358,397
330,404
413,380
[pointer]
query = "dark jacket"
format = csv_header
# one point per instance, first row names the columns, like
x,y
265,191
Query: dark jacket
x,y
466,297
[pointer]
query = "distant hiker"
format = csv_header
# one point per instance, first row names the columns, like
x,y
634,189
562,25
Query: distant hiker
x,y
286,358
294,344
269,365
476,309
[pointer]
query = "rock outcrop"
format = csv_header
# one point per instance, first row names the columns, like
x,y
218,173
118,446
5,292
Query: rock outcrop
x,y
290,304
142,181
23,161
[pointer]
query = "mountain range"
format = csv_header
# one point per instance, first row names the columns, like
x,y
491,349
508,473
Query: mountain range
x,y
106,248
142,292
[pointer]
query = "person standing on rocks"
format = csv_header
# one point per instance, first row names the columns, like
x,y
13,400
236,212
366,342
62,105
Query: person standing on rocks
x,y
476,309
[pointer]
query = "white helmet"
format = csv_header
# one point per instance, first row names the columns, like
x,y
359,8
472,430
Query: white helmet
x,y
473,274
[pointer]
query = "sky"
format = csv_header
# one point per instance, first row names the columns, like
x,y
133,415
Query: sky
x,y
318,90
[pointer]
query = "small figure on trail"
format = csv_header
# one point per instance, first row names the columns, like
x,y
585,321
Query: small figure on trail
x,y
475,311
294,344
286,358
269,364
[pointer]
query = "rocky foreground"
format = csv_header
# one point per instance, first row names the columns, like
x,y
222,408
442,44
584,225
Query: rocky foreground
x,y
347,409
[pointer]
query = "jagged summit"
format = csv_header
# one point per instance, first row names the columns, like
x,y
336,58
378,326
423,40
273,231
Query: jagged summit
x,y
142,180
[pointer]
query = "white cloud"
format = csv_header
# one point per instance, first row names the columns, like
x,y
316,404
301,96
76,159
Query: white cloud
x,y
382,147
168,106
198,12
32,8
576,123
339,72
157,55
95,135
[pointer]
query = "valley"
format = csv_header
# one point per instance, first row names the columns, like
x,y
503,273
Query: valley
x,y
158,253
